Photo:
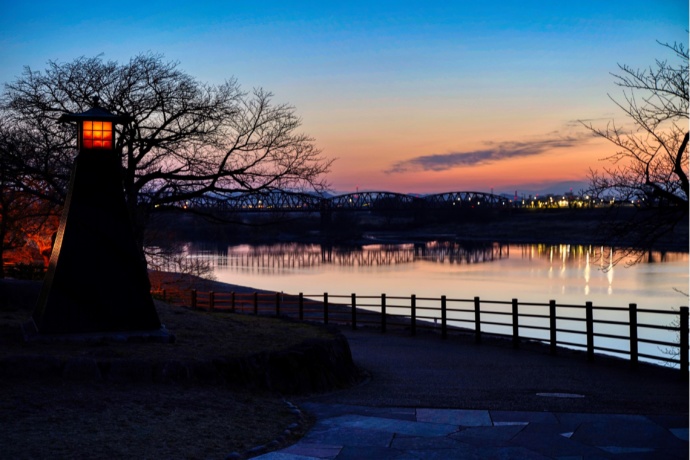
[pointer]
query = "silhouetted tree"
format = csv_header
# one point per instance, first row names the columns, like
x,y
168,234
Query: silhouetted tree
x,y
185,139
27,219
650,166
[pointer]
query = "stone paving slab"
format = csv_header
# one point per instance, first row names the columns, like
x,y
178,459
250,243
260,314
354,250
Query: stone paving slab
x,y
387,425
308,450
680,433
525,405
521,418
331,434
488,435
457,417
345,432
552,441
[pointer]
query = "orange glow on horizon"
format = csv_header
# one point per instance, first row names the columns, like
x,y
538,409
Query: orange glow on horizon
x,y
368,169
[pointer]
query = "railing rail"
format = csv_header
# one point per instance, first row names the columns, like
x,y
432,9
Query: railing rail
x,y
558,325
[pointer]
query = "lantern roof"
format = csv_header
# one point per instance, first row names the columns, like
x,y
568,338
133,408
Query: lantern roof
x,y
95,113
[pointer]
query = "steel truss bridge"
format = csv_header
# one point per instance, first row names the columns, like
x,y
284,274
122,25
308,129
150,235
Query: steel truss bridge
x,y
360,201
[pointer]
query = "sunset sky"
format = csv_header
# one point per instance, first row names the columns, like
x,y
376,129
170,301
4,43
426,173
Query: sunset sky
x,y
409,96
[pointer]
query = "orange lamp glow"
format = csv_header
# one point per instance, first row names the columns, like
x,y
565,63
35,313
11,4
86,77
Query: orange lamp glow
x,y
95,127
97,135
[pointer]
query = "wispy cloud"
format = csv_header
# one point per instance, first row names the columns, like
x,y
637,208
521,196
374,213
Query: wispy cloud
x,y
580,122
494,151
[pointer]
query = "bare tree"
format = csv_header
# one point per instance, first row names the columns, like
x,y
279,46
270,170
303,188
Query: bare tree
x,y
27,220
185,139
649,168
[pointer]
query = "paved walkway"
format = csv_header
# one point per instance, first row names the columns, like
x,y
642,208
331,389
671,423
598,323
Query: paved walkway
x,y
360,433
433,399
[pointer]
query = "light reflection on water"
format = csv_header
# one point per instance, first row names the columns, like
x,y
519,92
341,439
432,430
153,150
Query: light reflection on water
x,y
568,274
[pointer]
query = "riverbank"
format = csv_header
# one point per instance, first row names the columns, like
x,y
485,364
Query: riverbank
x,y
550,227
516,226
51,418
217,391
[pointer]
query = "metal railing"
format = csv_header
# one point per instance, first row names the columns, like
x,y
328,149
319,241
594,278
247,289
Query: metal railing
x,y
558,325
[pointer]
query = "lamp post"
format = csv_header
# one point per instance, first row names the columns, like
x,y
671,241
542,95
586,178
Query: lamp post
x,y
97,281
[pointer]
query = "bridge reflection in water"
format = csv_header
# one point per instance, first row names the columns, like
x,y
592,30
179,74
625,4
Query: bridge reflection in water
x,y
296,255
291,256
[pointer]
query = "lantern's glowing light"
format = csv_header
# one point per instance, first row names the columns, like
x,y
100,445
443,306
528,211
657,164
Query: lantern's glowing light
x,y
97,134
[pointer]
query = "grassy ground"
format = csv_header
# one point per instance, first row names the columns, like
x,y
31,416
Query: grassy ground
x,y
55,418
58,419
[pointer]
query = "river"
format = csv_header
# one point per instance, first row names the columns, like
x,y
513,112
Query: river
x,y
568,274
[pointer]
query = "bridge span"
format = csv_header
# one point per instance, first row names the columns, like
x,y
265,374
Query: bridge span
x,y
281,201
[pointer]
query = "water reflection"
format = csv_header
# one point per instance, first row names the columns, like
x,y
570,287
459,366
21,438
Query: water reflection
x,y
455,253
536,272
568,274
296,255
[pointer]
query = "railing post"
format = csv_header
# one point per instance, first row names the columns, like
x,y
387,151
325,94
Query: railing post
x,y
325,308
232,301
301,306
193,298
553,344
444,330
413,314
256,303
516,326
354,311
211,300
383,313
684,342
277,303
477,322
165,296
633,334
589,312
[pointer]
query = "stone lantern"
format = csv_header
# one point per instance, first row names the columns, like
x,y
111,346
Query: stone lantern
x,y
97,282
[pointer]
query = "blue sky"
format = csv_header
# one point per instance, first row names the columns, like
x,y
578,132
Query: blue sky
x,y
390,88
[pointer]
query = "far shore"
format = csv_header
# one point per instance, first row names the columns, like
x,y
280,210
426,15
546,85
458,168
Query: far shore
x,y
559,226
677,245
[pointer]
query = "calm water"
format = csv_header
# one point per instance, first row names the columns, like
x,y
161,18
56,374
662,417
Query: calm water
x,y
569,274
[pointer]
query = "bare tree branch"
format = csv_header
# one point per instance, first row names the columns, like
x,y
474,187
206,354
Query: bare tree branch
x,y
185,138
651,163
